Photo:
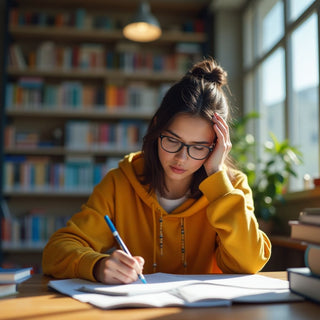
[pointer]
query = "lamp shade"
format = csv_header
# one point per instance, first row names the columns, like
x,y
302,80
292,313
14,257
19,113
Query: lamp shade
x,y
144,27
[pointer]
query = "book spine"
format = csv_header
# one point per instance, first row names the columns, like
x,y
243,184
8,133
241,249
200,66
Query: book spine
x,y
312,259
33,230
28,173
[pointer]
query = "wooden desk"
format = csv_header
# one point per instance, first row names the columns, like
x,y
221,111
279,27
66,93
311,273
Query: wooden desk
x,y
35,301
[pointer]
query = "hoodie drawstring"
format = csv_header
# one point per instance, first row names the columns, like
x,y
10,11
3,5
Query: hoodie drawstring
x,y
154,264
183,244
161,238
161,234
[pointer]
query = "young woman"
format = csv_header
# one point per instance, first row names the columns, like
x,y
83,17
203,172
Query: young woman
x,y
179,205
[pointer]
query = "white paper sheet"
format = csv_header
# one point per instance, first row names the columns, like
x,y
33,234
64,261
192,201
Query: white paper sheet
x,y
164,290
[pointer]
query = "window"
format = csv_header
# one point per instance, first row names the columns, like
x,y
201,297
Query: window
x,y
304,109
273,95
296,7
281,79
270,24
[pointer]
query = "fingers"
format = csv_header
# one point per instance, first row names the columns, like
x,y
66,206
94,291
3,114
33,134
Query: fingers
x,y
140,262
121,268
223,146
222,131
118,268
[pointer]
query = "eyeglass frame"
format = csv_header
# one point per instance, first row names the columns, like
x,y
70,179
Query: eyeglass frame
x,y
182,144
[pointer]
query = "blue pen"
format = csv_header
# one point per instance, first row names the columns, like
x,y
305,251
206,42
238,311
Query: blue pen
x,y
121,243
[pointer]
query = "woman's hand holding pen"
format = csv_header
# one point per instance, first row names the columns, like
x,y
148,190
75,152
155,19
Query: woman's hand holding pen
x,y
223,146
118,268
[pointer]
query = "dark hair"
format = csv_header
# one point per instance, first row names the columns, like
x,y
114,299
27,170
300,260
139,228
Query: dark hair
x,y
199,92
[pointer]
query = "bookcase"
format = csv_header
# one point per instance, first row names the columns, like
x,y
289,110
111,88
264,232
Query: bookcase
x,y
78,97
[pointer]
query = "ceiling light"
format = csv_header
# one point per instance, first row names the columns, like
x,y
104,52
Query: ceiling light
x,y
144,27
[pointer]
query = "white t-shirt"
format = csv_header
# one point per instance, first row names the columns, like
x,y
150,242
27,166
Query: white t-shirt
x,y
170,204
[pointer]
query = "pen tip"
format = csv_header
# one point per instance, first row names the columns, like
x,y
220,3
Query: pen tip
x,y
142,278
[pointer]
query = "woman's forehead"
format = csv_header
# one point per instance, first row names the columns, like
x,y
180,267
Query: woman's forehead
x,y
191,128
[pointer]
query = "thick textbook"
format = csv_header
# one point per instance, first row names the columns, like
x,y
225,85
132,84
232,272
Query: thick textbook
x,y
167,290
310,215
305,232
14,275
304,283
312,259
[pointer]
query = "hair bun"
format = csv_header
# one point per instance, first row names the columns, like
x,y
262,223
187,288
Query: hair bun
x,y
209,71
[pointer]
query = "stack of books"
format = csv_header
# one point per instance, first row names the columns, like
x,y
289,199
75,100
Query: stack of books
x,y
307,228
305,281
10,278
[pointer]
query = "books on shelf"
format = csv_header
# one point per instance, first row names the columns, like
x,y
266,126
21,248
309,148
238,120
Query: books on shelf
x,y
304,283
31,93
310,215
305,231
31,231
78,172
81,18
16,57
312,259
15,275
50,56
82,135
39,173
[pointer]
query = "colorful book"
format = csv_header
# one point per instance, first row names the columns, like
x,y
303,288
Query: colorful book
x,y
14,275
305,232
312,259
304,283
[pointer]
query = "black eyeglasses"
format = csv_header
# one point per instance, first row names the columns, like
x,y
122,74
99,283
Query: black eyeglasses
x,y
195,151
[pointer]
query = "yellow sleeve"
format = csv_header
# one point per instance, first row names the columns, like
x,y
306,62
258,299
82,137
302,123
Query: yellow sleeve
x,y
242,247
73,250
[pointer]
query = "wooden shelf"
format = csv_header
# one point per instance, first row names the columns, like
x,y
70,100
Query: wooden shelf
x,y
161,76
33,247
47,193
62,151
89,114
96,35
304,195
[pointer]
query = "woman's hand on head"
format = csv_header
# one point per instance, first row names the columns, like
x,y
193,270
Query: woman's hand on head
x,y
118,268
222,148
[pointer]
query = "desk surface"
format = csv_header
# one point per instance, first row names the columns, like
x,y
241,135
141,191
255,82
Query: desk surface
x,y
35,301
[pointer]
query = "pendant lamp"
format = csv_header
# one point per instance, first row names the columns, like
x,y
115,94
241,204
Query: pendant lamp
x,y
144,27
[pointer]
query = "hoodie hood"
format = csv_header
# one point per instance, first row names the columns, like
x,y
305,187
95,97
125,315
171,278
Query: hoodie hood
x,y
132,167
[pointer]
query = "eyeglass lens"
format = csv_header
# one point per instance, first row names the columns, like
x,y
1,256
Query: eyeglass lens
x,y
172,145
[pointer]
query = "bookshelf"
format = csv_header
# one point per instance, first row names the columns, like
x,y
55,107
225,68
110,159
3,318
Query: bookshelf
x,y
78,98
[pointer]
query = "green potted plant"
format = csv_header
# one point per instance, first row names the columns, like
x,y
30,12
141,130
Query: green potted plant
x,y
268,177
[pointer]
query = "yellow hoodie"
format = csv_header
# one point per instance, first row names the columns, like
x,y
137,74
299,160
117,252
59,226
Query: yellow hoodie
x,y
216,233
